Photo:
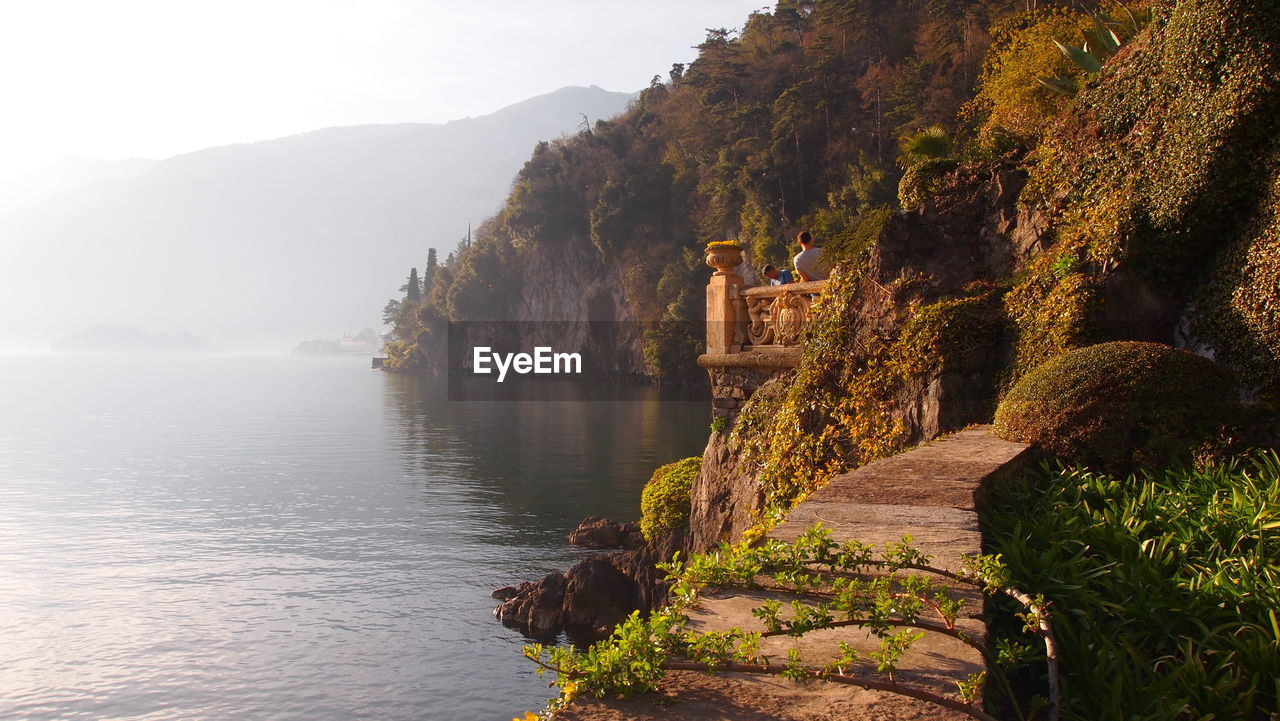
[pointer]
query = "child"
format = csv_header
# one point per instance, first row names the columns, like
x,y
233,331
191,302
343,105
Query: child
x,y
777,277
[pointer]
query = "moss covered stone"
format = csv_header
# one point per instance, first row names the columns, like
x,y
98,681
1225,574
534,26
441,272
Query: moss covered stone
x,y
1118,405
847,403
664,503
1240,303
922,181
1159,166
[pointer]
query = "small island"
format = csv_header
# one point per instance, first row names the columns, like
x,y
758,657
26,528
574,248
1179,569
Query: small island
x,y
131,339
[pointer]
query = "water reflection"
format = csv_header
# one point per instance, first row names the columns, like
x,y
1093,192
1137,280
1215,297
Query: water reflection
x,y
239,539
546,463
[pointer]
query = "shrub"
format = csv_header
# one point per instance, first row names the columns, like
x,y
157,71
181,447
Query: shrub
x,y
719,425
664,503
1010,102
1117,405
1164,586
923,181
932,143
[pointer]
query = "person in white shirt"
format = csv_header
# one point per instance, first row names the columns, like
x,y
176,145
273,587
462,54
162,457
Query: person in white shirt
x,y
808,261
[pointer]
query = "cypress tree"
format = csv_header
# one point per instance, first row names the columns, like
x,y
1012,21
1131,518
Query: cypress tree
x,y
414,289
429,273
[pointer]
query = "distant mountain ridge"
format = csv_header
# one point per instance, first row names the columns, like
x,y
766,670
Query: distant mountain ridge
x,y
67,174
131,339
262,243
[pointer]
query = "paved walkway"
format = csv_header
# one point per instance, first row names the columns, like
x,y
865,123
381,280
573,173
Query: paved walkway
x,y
931,493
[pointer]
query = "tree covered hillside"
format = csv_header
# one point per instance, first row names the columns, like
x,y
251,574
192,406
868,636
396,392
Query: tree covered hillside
x,y
1147,136
795,121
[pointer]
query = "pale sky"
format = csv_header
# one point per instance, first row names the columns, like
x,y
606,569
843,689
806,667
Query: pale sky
x,y
114,79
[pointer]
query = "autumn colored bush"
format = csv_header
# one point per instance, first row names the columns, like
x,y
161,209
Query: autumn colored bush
x,y
1119,405
1010,103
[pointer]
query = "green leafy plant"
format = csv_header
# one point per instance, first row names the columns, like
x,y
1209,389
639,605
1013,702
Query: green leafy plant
x,y
1065,265
664,502
1166,586
932,143
1103,40
895,595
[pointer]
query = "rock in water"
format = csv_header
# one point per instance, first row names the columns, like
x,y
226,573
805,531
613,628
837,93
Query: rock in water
x,y
594,595
598,532
506,593
535,608
598,595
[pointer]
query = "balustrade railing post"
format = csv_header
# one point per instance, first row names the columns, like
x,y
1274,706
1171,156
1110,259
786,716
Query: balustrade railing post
x,y
723,301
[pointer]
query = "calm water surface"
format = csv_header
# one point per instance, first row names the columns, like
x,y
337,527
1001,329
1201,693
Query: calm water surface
x,y
256,538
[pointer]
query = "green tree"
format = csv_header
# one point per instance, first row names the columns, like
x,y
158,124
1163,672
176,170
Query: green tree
x,y
760,234
390,312
413,290
429,273
1011,106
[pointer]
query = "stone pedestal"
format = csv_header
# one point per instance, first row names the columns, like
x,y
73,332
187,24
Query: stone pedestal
x,y
722,300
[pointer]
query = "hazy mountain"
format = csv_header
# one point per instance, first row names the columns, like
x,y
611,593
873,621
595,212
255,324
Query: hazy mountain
x,y
69,173
264,243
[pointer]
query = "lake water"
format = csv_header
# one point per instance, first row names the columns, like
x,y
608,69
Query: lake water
x,y
280,538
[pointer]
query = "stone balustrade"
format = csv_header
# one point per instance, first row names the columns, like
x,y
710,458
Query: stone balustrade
x,y
777,314
753,326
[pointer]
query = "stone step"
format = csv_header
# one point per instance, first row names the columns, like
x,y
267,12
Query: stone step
x,y
931,493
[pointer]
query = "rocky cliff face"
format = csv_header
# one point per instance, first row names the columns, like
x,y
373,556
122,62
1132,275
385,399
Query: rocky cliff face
x,y
726,495
566,297
975,233
978,232
573,283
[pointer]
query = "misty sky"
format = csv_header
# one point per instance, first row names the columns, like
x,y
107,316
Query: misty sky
x,y
153,78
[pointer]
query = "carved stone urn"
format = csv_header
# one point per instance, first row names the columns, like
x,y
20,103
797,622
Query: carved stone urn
x,y
724,257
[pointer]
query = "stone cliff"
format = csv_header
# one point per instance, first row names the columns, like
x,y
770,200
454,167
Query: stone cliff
x,y
567,297
975,233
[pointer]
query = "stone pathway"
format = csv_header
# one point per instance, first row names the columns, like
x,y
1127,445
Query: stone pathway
x,y
931,493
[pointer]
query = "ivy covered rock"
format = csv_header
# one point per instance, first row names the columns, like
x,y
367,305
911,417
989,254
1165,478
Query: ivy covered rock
x,y
1118,405
1240,304
664,503
922,181
1160,179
